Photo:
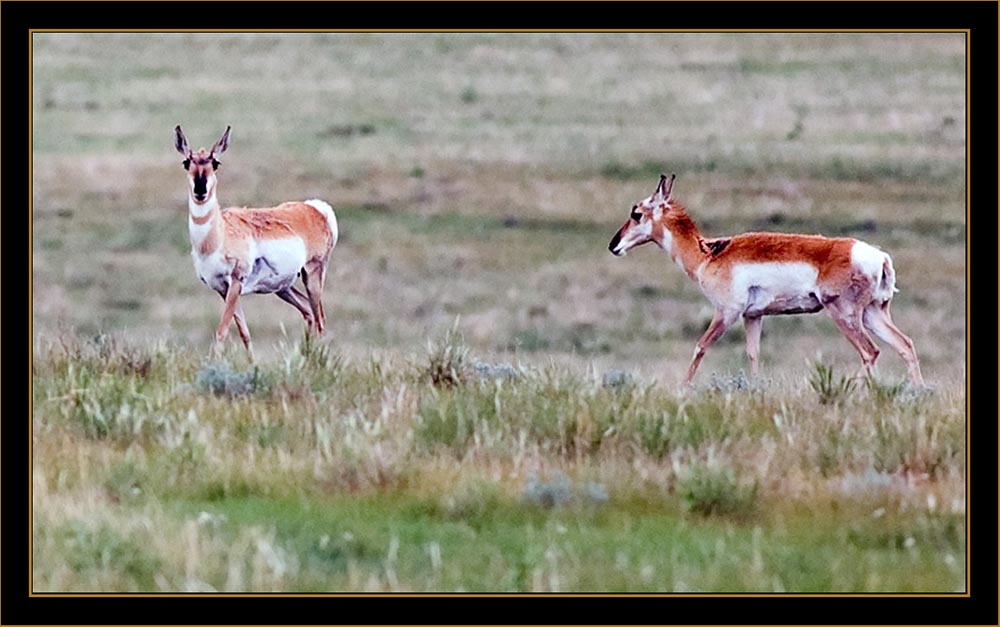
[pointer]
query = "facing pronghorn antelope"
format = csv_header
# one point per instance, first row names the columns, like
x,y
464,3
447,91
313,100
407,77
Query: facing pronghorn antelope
x,y
765,274
241,251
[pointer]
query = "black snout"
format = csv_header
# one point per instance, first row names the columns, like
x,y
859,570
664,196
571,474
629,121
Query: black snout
x,y
614,242
200,187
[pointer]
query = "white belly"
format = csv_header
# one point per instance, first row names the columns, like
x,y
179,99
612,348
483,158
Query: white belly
x,y
771,288
273,266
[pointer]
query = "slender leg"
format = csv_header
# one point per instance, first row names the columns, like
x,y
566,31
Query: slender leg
x,y
314,290
879,322
720,322
228,311
298,300
752,326
848,320
322,286
241,326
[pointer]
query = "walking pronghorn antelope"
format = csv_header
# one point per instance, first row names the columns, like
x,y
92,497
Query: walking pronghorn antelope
x,y
764,274
239,250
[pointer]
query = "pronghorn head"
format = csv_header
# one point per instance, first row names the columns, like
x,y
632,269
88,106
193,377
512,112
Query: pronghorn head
x,y
643,224
201,165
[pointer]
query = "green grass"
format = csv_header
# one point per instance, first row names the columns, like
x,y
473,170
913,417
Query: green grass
x,y
546,443
506,545
382,478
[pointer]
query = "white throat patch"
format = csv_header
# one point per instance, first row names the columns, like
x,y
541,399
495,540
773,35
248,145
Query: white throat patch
x,y
205,208
667,244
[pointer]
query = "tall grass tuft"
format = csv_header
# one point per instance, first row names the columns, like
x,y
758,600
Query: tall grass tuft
x,y
715,491
318,356
108,354
95,551
448,360
122,359
884,393
831,390
105,405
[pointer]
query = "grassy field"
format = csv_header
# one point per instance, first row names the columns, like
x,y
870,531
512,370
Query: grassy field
x,y
497,403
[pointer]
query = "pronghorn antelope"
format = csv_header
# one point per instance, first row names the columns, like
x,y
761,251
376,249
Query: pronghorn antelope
x,y
240,250
765,274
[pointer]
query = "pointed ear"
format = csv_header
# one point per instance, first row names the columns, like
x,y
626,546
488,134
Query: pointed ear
x,y
181,142
666,187
221,145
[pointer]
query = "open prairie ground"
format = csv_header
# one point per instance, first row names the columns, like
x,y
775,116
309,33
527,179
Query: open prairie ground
x,y
497,404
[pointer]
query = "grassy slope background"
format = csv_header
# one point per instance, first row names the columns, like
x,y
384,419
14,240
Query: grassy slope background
x,y
479,177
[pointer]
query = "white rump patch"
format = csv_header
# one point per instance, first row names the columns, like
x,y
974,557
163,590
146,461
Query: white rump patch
x,y
327,211
868,259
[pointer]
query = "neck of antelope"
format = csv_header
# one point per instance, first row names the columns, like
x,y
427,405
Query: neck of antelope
x,y
203,223
679,239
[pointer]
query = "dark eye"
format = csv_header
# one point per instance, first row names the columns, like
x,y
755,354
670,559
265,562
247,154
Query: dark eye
x,y
215,164
636,214
187,164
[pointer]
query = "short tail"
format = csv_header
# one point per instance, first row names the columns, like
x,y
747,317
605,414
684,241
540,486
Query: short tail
x,y
887,284
331,219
